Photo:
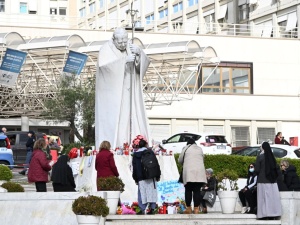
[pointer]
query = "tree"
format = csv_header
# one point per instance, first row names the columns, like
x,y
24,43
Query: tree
x,y
75,103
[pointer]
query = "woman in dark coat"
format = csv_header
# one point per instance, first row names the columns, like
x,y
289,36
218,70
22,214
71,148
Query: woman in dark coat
x,y
209,186
248,193
62,175
268,197
290,176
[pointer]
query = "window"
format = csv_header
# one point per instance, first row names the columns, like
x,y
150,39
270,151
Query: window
x,y
240,136
82,12
23,7
265,134
149,19
174,139
279,152
244,12
177,7
62,11
53,11
23,139
2,6
192,2
111,1
232,78
163,13
101,3
92,7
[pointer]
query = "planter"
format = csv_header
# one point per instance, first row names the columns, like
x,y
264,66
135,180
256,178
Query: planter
x,y
88,220
228,201
112,198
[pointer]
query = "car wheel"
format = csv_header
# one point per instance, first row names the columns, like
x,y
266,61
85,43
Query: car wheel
x,y
4,162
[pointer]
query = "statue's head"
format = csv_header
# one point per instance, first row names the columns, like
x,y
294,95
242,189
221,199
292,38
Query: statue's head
x,y
120,38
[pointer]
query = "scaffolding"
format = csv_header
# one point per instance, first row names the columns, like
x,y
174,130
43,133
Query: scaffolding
x,y
173,74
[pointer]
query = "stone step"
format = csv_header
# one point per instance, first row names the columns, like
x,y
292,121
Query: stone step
x,y
200,219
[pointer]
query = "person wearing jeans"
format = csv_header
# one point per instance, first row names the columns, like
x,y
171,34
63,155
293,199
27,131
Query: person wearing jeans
x,y
29,146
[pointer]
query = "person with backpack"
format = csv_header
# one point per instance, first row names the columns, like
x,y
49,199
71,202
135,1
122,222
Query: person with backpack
x,y
146,172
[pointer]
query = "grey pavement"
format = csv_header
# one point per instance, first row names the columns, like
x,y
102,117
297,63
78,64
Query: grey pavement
x,y
23,180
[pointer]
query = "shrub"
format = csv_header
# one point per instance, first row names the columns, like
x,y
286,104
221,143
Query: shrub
x,y
5,173
110,184
234,162
12,187
90,205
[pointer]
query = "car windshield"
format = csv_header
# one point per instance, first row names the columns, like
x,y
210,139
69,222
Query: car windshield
x,y
215,139
2,143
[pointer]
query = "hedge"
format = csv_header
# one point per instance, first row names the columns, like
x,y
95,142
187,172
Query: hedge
x,y
235,162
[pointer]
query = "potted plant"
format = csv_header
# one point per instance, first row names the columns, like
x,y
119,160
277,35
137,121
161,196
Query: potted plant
x,y
5,174
111,188
12,187
227,190
89,209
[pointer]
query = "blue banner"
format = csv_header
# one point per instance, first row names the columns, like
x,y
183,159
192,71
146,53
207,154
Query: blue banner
x,y
11,66
75,63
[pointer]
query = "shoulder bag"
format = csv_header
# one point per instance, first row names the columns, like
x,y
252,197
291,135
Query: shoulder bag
x,y
210,197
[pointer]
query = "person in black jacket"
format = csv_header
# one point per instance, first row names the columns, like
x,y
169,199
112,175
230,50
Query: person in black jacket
x,y
248,193
147,192
29,148
62,175
209,186
290,176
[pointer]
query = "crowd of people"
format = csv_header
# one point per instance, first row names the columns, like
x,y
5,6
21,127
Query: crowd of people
x,y
260,196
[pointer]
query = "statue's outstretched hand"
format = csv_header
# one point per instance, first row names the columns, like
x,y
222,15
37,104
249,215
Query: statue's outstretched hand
x,y
130,58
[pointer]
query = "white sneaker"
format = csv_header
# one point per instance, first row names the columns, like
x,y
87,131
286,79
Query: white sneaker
x,y
244,210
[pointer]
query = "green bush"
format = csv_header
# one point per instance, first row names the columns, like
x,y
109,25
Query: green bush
x,y
110,184
234,162
90,205
12,187
5,173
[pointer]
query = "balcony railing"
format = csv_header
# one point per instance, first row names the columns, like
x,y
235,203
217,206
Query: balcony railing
x,y
57,21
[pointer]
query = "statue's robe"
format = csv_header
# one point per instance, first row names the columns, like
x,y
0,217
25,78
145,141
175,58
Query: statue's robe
x,y
112,106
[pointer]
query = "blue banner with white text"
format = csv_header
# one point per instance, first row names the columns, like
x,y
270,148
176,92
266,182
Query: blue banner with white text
x,y
75,63
11,65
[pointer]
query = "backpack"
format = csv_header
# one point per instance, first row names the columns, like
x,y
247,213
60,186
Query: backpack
x,y
150,165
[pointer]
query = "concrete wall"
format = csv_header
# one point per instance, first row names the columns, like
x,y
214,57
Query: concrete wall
x,y
33,208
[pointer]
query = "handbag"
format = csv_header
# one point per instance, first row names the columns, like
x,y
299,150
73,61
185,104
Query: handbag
x,y
180,180
210,197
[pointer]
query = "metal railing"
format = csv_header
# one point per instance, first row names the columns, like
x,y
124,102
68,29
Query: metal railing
x,y
57,21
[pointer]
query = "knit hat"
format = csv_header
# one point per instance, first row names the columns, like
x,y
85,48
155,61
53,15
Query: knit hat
x,y
31,132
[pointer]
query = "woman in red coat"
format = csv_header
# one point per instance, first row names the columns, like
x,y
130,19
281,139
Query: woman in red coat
x,y
39,166
105,163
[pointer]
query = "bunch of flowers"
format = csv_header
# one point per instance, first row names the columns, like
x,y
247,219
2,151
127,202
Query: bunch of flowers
x,y
136,141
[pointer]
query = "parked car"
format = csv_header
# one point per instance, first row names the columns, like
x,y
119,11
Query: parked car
x,y
6,154
210,143
279,151
18,141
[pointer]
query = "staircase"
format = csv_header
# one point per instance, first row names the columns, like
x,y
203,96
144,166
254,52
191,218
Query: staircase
x,y
192,219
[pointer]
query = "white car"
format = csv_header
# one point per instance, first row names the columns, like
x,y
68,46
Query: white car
x,y
279,151
210,143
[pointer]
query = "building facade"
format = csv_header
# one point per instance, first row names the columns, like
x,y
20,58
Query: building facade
x,y
251,95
